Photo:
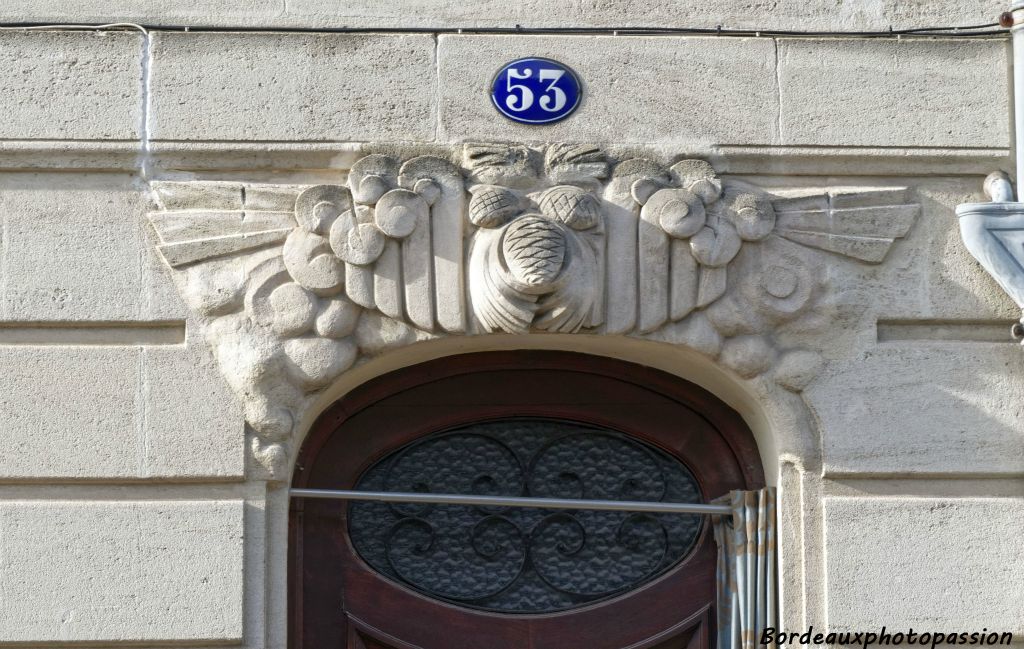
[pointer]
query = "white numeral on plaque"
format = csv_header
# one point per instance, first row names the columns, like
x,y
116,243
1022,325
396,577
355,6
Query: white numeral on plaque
x,y
535,91
525,99
553,99
547,103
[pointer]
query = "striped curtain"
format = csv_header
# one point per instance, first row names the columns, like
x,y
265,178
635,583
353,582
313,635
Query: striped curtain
x,y
747,568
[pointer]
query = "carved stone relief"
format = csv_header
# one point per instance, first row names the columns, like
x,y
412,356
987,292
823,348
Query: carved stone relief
x,y
292,284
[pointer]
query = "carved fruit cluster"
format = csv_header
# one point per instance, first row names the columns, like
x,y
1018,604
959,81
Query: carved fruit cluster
x,y
534,261
693,206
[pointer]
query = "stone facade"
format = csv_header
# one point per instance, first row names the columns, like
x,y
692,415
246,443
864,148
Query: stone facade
x,y
208,237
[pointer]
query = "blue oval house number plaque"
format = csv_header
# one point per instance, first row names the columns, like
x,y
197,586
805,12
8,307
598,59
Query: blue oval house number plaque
x,y
536,91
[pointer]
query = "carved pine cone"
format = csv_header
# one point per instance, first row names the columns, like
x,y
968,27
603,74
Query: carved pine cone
x,y
534,251
492,206
576,207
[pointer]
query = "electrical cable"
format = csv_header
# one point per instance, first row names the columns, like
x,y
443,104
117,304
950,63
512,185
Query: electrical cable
x,y
75,27
962,31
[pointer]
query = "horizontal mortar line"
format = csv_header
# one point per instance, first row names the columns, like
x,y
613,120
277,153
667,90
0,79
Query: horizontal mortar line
x,y
849,179
972,487
119,644
932,330
112,334
113,142
288,142
171,145
894,478
200,489
897,148
70,140
842,476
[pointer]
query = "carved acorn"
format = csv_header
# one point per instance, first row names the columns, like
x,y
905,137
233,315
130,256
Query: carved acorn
x,y
752,214
492,206
573,206
371,177
699,177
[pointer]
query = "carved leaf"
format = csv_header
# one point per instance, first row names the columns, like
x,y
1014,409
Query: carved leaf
x,y
193,252
501,164
580,163
436,291
198,225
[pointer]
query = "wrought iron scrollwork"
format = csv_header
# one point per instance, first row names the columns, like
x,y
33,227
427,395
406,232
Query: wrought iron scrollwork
x,y
516,560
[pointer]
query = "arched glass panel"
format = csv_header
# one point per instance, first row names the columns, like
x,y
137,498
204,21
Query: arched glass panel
x,y
515,560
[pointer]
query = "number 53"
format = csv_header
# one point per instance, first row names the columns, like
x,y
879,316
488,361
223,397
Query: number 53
x,y
552,100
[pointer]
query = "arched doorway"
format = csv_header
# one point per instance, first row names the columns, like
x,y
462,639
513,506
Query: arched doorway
x,y
375,576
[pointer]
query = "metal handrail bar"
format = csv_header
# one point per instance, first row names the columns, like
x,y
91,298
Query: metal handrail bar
x,y
509,501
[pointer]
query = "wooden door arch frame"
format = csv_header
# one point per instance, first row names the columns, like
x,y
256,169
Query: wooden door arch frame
x,y
786,428
734,430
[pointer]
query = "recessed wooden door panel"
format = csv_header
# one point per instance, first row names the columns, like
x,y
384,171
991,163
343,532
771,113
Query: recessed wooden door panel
x,y
693,633
339,600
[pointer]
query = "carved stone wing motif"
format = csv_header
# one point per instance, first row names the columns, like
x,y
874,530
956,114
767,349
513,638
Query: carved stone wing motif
x,y
292,283
861,223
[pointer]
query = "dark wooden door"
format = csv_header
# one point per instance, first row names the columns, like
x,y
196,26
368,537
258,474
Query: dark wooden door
x,y
374,576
